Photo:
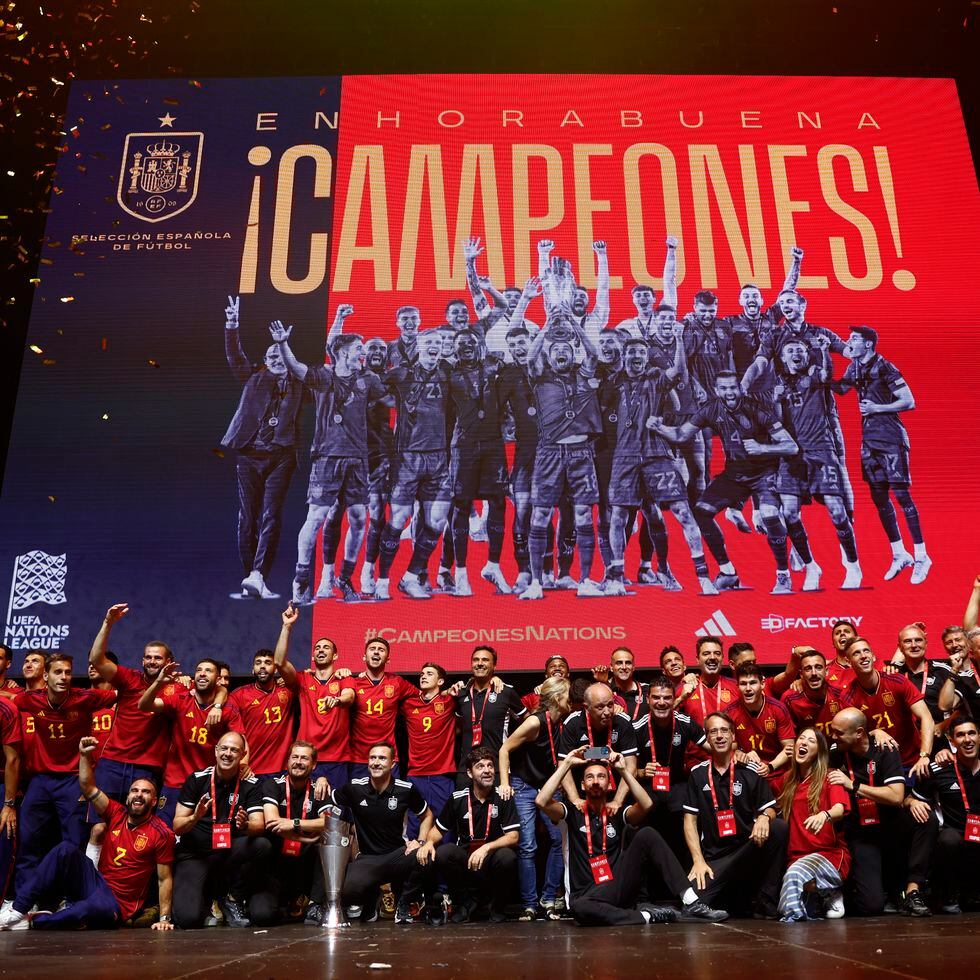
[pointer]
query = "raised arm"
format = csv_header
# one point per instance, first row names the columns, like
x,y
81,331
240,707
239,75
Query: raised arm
x,y
86,775
672,433
545,799
526,732
670,273
643,803
535,353
600,309
280,336
237,361
545,248
96,657
471,251
286,670
972,613
149,701
337,327
793,273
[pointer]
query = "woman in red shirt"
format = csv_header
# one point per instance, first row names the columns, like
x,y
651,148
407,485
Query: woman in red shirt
x,y
817,856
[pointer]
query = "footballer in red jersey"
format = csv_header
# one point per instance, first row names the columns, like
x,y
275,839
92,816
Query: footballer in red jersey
x,y
102,718
816,704
709,691
377,698
891,704
10,744
7,684
763,727
137,744
839,669
268,710
197,724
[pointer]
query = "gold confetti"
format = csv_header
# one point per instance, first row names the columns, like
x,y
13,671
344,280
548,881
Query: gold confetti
x,y
52,498
105,416
67,299
36,349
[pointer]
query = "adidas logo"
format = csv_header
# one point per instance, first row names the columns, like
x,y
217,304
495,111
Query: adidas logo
x,y
716,624
363,803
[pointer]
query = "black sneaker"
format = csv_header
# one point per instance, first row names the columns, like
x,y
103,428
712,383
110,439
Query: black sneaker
x,y
403,913
463,913
435,913
915,905
347,590
314,915
699,911
234,912
659,914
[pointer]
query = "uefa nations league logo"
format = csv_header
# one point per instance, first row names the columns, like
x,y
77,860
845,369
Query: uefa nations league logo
x,y
159,174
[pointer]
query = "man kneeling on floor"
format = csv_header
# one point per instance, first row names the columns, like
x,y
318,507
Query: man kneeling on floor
x,y
605,879
481,867
136,843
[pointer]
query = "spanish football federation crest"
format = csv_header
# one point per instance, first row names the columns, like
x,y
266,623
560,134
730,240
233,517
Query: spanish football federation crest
x,y
159,174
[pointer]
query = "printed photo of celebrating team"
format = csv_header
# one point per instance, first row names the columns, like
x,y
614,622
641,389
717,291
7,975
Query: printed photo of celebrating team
x,y
531,400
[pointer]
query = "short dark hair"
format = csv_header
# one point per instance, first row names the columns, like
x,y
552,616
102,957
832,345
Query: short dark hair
x,y
376,639
959,722
702,640
210,660
625,650
670,648
478,754
665,308
842,622
383,745
301,744
812,653
705,297
519,331
726,375
556,656
635,342
641,287
49,662
111,657
489,649
748,670
163,646
661,683
344,340
456,302
749,285
740,647
5,652
222,666
867,334
441,671
724,717
262,653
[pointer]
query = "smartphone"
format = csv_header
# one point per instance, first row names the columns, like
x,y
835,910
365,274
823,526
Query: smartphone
x,y
600,752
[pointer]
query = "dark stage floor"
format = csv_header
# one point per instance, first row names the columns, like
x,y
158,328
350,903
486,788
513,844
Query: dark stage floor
x,y
886,947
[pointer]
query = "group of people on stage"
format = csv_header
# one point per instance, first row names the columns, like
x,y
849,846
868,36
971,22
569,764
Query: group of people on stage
x,y
849,781
611,426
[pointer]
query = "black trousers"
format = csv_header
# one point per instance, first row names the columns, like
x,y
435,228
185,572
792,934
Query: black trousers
x,y
886,857
240,871
957,867
612,903
263,480
750,874
367,872
495,882
292,877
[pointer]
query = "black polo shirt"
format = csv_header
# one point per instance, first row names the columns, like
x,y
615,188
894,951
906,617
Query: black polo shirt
x,y
620,736
943,784
493,812
300,807
492,711
579,872
533,761
380,817
968,689
670,742
635,700
880,767
197,840
749,794
939,673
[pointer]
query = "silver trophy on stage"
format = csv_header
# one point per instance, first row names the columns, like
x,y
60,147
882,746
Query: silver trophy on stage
x,y
335,848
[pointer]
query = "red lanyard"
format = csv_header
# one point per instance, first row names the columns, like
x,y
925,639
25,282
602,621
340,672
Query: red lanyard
x,y
587,813
653,747
588,725
469,816
637,700
704,706
925,676
976,676
959,779
473,719
551,739
306,800
850,771
731,785
234,800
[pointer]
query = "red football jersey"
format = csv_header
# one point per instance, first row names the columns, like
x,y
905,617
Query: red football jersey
x,y
51,735
10,733
101,729
839,676
326,728
762,733
831,841
137,737
704,700
192,741
11,685
130,855
889,708
807,713
267,718
531,702
431,734
374,712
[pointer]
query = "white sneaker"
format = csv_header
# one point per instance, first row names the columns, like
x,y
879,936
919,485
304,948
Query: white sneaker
x,y
533,591
326,586
834,904
492,573
463,587
920,570
812,581
784,584
899,562
11,920
587,589
548,582
252,584
669,583
523,581
566,582
614,586
381,589
853,575
412,587
707,586
301,594
367,579
478,528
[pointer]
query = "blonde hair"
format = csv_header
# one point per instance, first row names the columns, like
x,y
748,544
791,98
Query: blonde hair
x,y
818,776
554,696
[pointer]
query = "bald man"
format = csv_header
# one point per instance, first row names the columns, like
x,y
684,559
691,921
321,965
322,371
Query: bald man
x,y
221,854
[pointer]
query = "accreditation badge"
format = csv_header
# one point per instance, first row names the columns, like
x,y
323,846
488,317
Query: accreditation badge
x,y
221,836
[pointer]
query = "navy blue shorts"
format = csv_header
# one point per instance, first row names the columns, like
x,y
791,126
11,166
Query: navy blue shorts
x,y
564,472
422,477
733,490
636,481
338,478
886,467
477,472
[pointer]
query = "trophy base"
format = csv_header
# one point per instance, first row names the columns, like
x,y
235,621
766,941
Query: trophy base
x,y
334,918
